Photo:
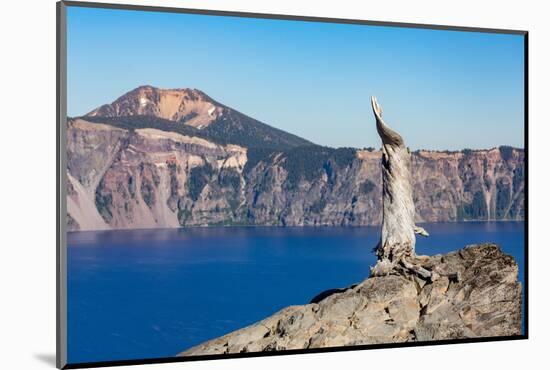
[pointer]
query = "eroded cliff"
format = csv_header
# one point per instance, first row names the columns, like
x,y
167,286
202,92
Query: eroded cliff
x,y
146,178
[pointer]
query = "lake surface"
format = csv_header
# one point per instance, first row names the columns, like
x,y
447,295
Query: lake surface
x,y
153,293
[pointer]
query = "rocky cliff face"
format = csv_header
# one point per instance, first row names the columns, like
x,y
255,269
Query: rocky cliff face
x,y
476,295
158,158
343,187
149,178
469,185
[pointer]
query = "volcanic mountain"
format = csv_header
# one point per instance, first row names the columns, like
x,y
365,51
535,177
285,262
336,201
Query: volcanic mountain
x,y
192,112
189,106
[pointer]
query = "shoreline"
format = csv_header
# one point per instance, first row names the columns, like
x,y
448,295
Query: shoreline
x,y
243,226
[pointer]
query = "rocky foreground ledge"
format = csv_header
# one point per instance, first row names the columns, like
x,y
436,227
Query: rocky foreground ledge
x,y
477,294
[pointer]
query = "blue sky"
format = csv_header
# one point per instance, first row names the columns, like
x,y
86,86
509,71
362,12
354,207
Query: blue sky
x,y
439,89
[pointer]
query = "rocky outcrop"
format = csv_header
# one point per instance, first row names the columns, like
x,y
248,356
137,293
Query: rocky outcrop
x,y
476,294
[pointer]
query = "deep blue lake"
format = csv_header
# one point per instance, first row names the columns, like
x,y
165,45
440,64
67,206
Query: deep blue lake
x,y
153,293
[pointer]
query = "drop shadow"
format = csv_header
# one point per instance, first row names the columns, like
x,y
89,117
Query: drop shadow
x,y
46,358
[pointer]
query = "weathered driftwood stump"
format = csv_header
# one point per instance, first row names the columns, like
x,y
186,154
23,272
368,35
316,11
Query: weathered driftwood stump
x,y
395,251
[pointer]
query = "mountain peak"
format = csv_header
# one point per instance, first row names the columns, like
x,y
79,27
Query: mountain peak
x,y
185,105
176,109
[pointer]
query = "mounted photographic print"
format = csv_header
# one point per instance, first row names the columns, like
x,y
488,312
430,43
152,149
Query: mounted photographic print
x,y
235,184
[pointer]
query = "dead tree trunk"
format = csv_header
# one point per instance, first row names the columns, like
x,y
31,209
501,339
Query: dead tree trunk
x,y
395,250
